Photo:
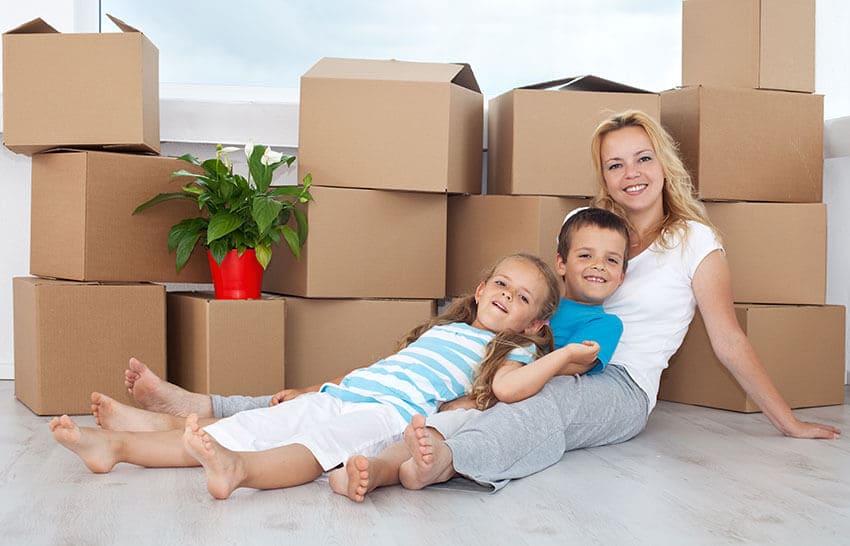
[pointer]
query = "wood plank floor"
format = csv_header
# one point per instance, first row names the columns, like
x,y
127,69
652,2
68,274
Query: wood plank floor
x,y
694,476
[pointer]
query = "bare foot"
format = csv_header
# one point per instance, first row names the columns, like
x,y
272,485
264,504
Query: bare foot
x,y
224,469
89,444
430,458
113,415
354,480
154,394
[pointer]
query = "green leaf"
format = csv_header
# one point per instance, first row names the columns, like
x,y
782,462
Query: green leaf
x,y
292,240
264,212
189,158
185,247
186,228
219,250
301,222
264,254
280,191
261,174
221,224
163,197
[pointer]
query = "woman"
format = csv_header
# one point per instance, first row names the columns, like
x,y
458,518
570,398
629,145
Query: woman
x,y
677,263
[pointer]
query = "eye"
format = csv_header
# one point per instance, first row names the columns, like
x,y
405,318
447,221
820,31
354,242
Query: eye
x,y
499,282
614,261
645,158
524,299
584,255
614,166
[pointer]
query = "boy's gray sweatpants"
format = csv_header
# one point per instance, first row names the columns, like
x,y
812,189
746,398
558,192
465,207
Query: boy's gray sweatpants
x,y
511,441
225,406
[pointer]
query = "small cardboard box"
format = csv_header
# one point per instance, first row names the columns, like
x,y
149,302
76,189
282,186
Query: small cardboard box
x,y
83,226
391,125
478,234
73,338
79,90
767,44
776,251
748,144
327,338
801,347
226,346
366,244
539,135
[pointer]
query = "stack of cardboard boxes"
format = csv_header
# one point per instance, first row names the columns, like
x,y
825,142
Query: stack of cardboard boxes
x,y
750,131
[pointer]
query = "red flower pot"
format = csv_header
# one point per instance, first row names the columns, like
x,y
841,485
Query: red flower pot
x,y
238,277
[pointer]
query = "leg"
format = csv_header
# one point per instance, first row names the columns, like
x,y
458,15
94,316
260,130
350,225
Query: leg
x,y
154,394
227,470
101,450
430,461
362,474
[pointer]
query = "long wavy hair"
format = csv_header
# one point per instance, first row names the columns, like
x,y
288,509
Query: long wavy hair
x,y
678,195
465,309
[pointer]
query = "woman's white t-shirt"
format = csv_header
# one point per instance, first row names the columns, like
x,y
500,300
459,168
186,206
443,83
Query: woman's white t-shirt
x,y
656,304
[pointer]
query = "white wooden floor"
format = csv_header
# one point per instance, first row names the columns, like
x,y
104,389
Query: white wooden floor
x,y
695,476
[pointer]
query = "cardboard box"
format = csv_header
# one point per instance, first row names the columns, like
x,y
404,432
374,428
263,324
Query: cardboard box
x,y
226,346
88,90
802,349
391,125
366,244
74,338
83,226
747,144
479,234
539,135
768,44
776,251
327,338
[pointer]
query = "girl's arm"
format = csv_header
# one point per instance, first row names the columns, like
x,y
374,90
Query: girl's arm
x,y
513,382
289,394
712,287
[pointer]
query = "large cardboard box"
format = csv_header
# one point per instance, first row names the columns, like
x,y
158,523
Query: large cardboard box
x,y
767,44
484,228
366,244
539,135
327,338
391,125
73,338
802,348
748,144
776,251
226,346
79,90
83,226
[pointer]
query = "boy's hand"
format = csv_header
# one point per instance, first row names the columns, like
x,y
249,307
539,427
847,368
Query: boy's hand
x,y
286,394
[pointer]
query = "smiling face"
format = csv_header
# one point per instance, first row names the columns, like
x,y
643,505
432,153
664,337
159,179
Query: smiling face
x,y
511,299
633,174
593,269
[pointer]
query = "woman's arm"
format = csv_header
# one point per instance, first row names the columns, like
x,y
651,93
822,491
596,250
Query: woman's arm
x,y
513,382
712,287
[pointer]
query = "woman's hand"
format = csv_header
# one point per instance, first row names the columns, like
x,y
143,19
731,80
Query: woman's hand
x,y
464,402
804,429
286,394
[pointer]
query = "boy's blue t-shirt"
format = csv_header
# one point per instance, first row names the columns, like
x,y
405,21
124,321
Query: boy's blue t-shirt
x,y
576,322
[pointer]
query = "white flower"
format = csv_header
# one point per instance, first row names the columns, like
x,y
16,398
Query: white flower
x,y
270,156
249,147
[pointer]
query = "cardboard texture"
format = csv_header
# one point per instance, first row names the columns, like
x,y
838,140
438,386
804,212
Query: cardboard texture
x,y
93,90
366,244
479,234
802,348
539,136
776,251
327,338
226,346
747,144
768,44
74,338
83,227
391,125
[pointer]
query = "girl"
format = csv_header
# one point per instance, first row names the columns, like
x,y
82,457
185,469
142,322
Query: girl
x,y
294,442
677,263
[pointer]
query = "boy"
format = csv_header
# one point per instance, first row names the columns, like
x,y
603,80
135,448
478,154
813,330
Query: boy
x,y
591,261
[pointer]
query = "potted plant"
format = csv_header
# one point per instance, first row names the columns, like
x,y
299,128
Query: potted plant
x,y
243,217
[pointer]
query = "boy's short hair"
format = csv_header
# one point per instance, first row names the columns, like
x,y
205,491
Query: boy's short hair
x,y
591,216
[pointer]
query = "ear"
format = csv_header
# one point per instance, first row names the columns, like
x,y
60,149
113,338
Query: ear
x,y
621,279
560,265
478,292
534,327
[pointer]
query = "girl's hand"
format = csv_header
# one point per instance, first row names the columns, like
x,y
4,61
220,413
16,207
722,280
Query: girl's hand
x,y
804,429
286,394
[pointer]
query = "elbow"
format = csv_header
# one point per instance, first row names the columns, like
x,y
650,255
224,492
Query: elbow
x,y
506,394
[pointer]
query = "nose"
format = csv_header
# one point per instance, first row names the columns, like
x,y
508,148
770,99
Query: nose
x,y
507,293
599,265
632,170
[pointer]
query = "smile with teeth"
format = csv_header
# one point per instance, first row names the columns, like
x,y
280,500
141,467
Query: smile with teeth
x,y
593,278
501,307
635,189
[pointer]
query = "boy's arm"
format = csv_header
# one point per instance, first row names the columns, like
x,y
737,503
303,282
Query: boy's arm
x,y
606,330
513,382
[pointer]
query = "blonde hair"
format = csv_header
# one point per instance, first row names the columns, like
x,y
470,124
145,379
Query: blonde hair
x,y
678,195
465,309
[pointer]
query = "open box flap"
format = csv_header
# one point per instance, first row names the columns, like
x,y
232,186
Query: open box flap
x,y
393,70
121,24
586,83
36,26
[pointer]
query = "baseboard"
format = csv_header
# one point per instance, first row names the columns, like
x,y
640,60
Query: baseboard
x,y
7,370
